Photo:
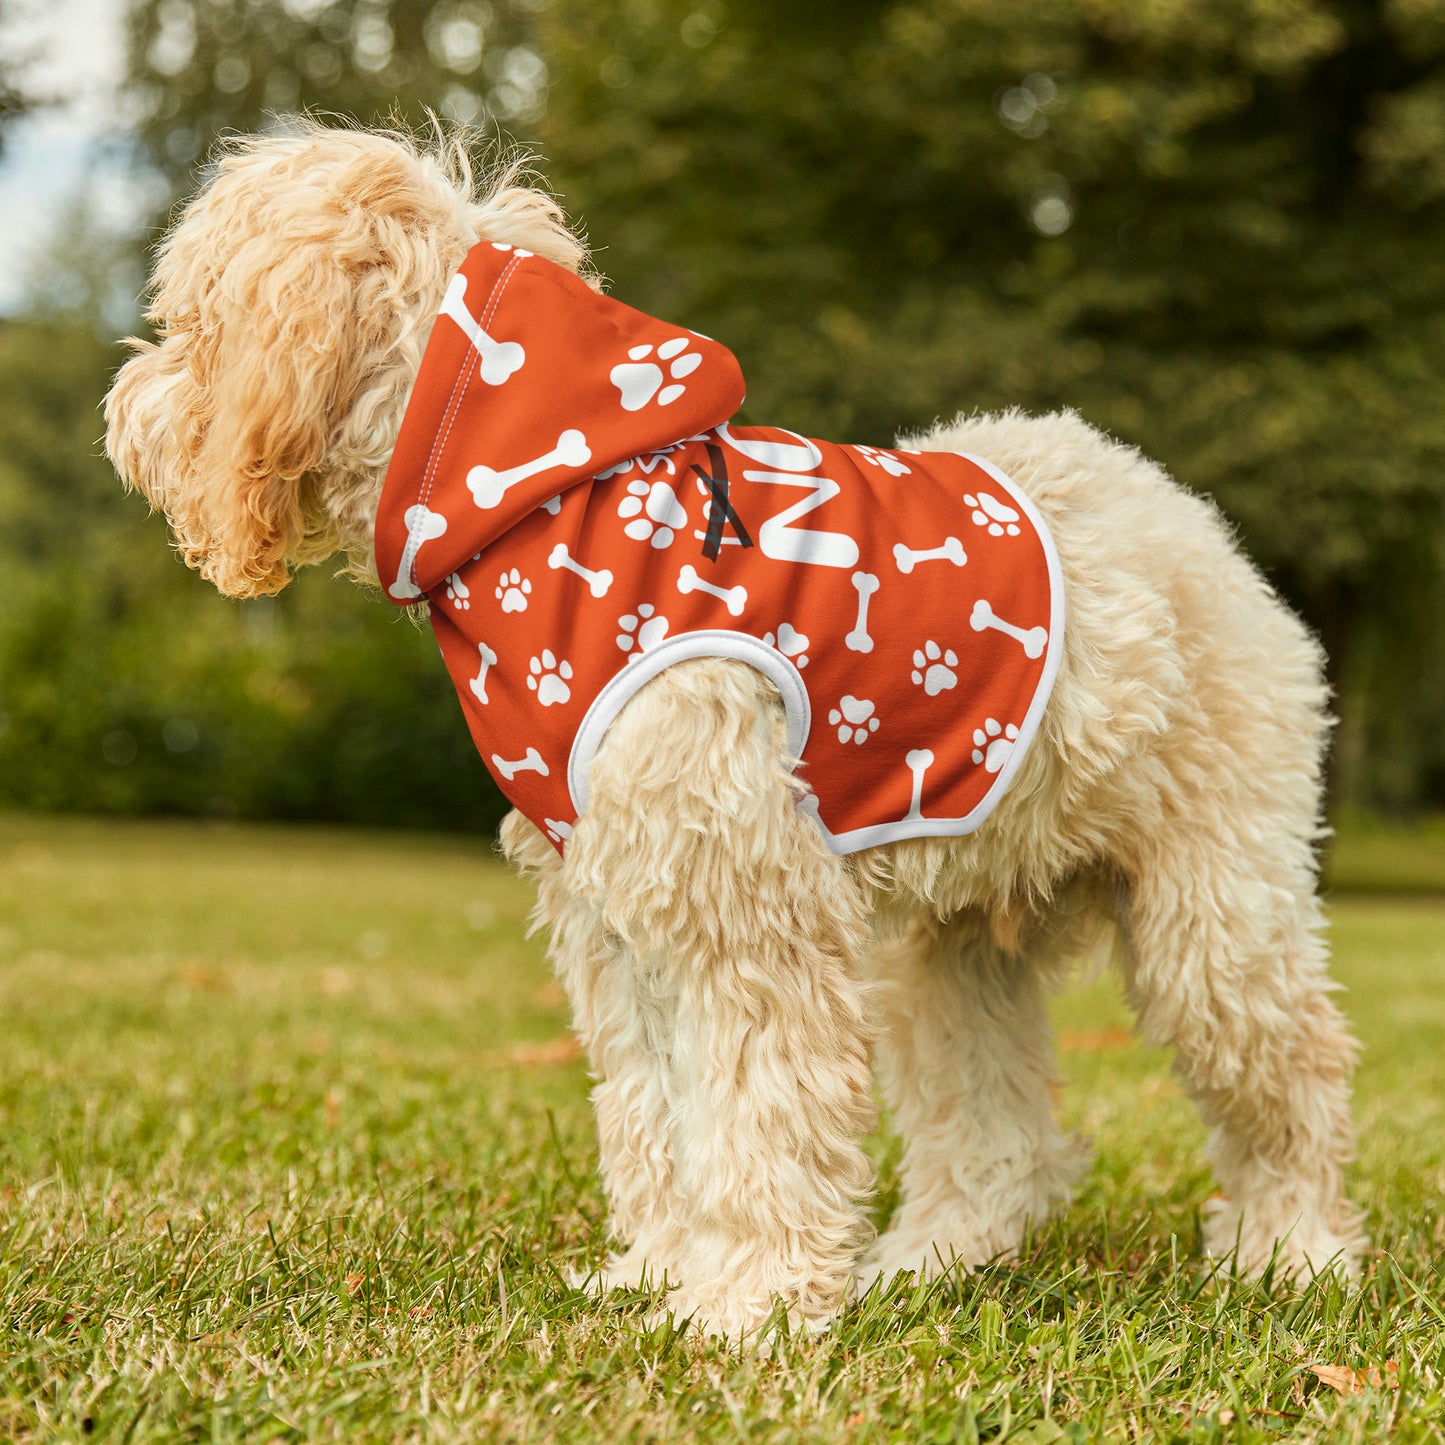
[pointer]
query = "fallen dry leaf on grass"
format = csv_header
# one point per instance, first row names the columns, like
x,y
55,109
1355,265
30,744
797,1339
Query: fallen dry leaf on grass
x,y
195,974
1085,1041
552,1051
1355,1382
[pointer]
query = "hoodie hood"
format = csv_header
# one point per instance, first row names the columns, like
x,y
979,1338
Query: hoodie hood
x,y
510,375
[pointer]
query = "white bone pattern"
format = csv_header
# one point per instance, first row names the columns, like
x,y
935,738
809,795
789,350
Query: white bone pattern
x,y
734,598
908,558
597,582
858,640
499,358
478,684
1034,639
422,525
531,763
488,486
919,761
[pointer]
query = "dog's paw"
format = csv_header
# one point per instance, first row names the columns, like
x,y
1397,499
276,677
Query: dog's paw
x,y
1297,1248
889,462
633,1270
897,1254
854,718
995,517
458,593
751,1324
790,642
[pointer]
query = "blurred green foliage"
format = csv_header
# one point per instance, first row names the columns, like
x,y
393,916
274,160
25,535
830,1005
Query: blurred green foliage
x,y
14,100
1214,227
127,685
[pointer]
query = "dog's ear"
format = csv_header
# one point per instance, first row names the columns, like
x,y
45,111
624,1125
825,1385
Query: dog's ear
x,y
292,300
222,423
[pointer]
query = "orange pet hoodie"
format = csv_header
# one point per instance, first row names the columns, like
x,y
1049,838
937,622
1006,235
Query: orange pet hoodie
x,y
573,503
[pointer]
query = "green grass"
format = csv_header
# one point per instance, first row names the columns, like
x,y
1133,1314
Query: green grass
x,y
290,1148
1373,856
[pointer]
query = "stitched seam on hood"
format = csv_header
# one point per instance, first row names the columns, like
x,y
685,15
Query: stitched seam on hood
x,y
454,401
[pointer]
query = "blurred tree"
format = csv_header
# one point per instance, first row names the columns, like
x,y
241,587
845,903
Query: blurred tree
x,y
202,67
1217,229
14,100
127,685
1213,226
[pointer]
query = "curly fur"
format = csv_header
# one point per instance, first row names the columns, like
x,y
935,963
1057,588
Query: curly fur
x,y
293,299
729,976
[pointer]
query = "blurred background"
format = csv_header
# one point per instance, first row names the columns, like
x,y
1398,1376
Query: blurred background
x,y
1216,228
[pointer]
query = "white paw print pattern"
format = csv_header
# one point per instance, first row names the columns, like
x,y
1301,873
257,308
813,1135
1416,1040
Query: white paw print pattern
x,y
513,590
641,629
458,593
854,718
641,381
791,643
548,678
557,831
992,743
933,668
992,515
655,512
894,466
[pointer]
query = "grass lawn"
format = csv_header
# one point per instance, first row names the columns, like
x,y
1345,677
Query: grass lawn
x,y
293,1146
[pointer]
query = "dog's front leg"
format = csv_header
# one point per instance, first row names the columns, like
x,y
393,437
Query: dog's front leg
x,y
742,932
625,1029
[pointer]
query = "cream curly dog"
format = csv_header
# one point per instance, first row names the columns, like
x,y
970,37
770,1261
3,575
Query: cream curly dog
x,y
730,976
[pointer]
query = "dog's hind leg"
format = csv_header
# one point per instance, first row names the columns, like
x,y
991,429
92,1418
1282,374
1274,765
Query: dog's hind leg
x,y
745,931
1227,964
1226,959
966,1063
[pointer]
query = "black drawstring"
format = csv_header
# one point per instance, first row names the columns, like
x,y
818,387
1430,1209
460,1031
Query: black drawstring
x,y
720,512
